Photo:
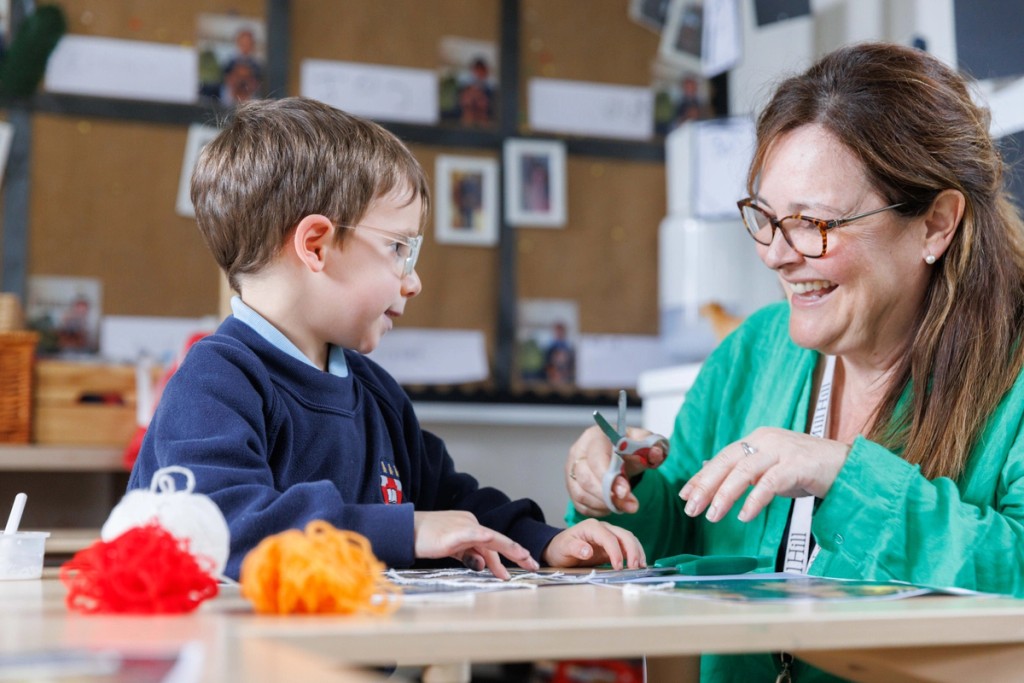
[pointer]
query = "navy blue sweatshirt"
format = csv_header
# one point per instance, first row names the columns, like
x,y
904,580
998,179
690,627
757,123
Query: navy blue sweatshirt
x,y
276,443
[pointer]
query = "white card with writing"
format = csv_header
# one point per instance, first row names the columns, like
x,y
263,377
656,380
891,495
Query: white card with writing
x,y
432,356
385,93
616,360
595,109
724,148
125,69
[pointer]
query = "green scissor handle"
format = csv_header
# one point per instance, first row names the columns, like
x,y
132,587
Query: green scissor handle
x,y
711,565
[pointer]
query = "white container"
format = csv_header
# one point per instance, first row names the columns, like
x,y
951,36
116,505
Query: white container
x,y
662,392
21,555
703,261
706,167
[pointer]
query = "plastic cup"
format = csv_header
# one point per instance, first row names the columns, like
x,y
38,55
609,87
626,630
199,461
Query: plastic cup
x,y
21,555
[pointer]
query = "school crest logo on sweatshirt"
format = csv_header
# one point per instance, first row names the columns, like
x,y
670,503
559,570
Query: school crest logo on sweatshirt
x,y
390,484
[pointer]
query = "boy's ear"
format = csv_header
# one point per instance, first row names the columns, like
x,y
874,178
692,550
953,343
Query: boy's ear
x,y
313,235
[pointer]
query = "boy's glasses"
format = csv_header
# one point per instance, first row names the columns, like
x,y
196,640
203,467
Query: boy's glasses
x,y
808,236
407,249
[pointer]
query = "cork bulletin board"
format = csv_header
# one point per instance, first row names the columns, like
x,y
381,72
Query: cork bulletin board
x,y
102,200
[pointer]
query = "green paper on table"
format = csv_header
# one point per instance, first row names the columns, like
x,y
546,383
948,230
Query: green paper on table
x,y
714,565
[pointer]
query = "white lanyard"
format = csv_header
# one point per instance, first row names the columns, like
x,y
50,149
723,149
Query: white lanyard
x,y
798,558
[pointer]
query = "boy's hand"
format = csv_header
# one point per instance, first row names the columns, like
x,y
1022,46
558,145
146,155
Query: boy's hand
x,y
593,542
457,534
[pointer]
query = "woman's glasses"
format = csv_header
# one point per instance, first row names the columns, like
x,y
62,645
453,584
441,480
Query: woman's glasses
x,y
808,236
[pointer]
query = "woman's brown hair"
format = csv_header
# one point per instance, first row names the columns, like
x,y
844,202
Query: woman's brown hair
x,y
911,122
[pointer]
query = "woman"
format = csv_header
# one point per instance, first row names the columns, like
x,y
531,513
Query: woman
x,y
904,451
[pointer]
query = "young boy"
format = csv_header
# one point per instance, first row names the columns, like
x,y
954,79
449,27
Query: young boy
x,y
315,216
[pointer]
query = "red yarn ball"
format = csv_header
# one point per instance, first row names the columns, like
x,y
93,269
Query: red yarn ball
x,y
145,570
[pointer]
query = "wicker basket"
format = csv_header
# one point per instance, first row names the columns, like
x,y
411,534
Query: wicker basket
x,y
11,318
17,353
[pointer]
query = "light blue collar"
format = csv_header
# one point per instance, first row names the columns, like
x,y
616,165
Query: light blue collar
x,y
336,363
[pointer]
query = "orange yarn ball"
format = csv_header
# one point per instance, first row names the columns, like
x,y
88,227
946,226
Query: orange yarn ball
x,y
323,570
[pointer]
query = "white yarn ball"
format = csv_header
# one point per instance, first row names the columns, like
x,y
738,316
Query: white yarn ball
x,y
185,515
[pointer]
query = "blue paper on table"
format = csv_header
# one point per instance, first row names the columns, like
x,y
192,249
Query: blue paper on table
x,y
786,587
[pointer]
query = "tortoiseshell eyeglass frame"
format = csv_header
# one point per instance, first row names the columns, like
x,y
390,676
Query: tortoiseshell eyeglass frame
x,y
823,225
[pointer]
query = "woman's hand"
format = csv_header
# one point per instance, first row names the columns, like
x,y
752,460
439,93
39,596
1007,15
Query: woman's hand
x,y
588,461
591,543
776,462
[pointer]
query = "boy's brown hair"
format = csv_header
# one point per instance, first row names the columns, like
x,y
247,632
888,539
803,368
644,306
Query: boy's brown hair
x,y
277,161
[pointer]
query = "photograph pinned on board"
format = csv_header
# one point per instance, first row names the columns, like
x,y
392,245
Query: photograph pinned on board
x,y
198,136
232,57
535,183
682,37
679,96
466,193
66,312
649,13
468,81
6,137
5,26
703,36
547,336
770,11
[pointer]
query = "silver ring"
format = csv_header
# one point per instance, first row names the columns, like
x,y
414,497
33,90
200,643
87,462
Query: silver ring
x,y
747,448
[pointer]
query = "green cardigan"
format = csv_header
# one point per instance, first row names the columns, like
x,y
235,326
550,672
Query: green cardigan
x,y
881,520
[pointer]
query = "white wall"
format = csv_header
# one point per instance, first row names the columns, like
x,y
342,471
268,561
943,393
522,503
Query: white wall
x,y
931,20
772,52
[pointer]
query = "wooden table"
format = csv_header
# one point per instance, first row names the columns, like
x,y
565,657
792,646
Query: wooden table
x,y
33,618
915,639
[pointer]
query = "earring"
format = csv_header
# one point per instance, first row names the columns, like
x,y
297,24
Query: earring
x,y
929,259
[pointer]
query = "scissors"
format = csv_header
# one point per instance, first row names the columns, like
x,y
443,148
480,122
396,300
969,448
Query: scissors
x,y
623,445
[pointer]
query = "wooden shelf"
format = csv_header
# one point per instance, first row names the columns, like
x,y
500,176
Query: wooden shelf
x,y
46,458
652,150
70,541
120,109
